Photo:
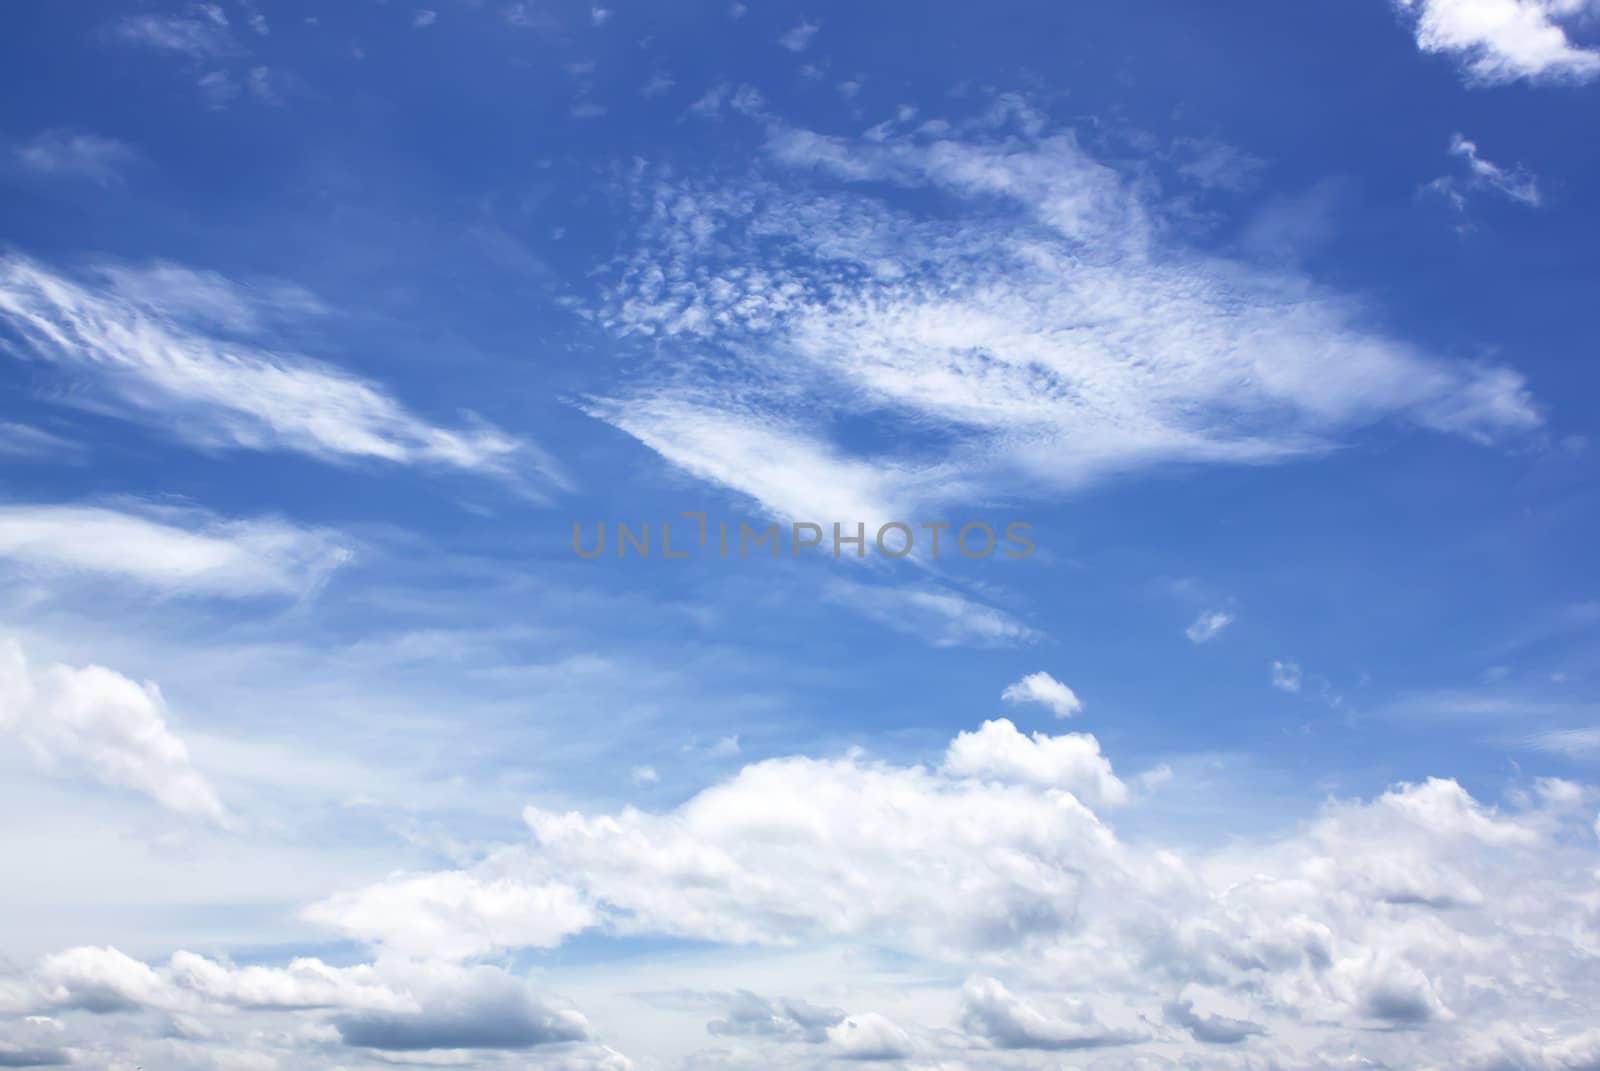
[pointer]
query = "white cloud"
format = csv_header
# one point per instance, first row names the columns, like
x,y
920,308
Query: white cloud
x,y
197,37
869,1037
1420,928
98,721
939,616
1516,184
456,916
1043,329
171,551
798,39
1045,690
424,18
76,153
1421,909
1287,676
1208,626
165,345
1072,762
991,1012
1502,41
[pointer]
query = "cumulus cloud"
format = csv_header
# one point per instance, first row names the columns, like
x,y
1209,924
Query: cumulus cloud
x,y
456,915
171,551
869,1037
1211,1029
175,347
991,1012
96,721
1072,762
751,1015
1421,927
1039,326
392,1006
1045,690
1500,41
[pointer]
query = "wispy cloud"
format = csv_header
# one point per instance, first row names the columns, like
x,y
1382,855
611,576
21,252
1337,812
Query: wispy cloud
x,y
201,34
179,552
77,154
175,347
798,39
1515,183
1501,41
1208,626
1040,329
939,616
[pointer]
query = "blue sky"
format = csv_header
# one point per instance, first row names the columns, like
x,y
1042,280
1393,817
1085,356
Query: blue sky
x,y
323,326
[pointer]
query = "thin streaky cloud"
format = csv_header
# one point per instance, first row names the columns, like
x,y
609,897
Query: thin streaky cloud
x,y
154,342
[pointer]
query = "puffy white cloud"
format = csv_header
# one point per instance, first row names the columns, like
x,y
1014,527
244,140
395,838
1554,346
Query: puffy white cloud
x,y
1045,690
1415,925
98,721
992,1012
869,1037
456,915
171,346
1506,40
1072,762
170,551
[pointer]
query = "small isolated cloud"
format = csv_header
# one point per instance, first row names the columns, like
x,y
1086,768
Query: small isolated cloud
x,y
1208,626
1499,41
1286,676
97,721
643,775
1514,183
76,154
799,38
599,16
424,18
1045,690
